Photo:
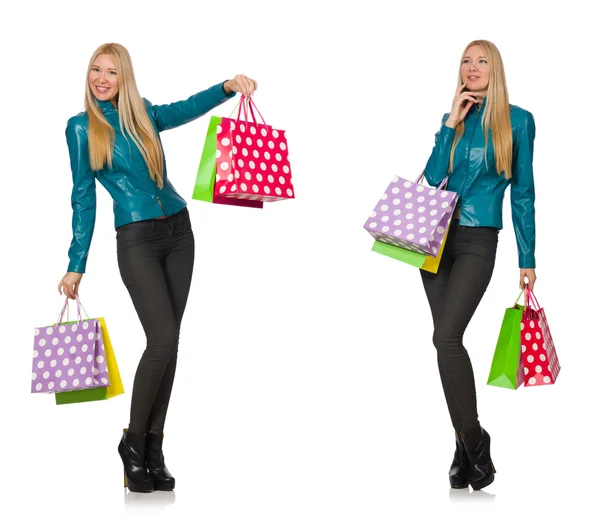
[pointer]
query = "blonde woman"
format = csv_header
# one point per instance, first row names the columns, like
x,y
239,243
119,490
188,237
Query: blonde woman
x,y
486,145
116,141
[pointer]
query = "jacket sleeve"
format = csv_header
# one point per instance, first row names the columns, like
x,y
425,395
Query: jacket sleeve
x,y
83,196
436,169
169,116
523,191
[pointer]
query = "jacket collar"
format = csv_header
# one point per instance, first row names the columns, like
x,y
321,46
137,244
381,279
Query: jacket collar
x,y
106,106
475,107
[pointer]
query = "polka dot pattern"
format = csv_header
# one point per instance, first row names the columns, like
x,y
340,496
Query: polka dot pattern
x,y
413,211
81,342
537,349
269,151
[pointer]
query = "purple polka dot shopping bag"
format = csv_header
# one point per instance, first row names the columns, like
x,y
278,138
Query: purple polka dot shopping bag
x,y
69,356
412,216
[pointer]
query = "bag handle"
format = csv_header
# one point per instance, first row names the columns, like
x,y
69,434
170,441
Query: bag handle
x,y
440,187
66,307
252,106
520,294
530,298
249,106
240,103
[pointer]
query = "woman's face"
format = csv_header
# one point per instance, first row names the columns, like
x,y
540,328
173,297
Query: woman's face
x,y
474,69
103,78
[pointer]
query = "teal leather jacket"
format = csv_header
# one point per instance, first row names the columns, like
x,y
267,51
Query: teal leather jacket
x,y
135,195
480,188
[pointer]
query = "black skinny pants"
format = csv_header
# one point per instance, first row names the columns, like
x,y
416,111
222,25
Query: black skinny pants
x,y
454,293
156,259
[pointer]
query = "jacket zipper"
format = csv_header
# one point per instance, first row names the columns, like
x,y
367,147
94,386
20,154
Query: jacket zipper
x,y
469,152
160,205
156,190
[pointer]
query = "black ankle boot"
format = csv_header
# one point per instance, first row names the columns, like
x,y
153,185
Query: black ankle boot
x,y
459,470
481,469
155,461
132,449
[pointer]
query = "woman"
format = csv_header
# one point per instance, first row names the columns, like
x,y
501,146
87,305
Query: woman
x,y
485,144
116,141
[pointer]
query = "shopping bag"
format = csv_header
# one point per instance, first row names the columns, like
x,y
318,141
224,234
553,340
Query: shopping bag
x,y
507,366
68,356
541,365
428,263
252,159
412,216
104,392
205,178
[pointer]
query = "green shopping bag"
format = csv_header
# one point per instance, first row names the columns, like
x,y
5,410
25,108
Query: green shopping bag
x,y
507,369
427,263
406,256
207,170
205,179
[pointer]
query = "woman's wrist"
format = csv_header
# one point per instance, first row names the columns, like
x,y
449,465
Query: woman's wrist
x,y
226,89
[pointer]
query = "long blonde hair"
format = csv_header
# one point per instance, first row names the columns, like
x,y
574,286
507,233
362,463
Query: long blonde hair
x,y
133,118
496,113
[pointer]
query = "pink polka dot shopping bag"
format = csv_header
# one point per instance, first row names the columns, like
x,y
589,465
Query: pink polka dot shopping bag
x,y
71,356
244,163
410,222
525,352
540,361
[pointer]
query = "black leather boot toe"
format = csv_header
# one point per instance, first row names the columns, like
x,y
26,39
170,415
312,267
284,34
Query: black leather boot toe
x,y
155,462
481,468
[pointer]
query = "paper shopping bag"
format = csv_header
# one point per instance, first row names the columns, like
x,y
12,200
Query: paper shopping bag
x,y
540,360
205,178
412,216
69,356
252,159
102,393
507,367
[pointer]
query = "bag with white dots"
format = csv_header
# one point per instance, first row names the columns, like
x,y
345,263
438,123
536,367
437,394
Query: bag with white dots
x,y
540,361
252,161
412,216
69,356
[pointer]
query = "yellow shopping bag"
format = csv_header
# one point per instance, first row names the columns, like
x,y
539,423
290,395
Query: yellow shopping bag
x,y
433,263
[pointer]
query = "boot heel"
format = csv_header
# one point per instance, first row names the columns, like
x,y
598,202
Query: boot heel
x,y
131,450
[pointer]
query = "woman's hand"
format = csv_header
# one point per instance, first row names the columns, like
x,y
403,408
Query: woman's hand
x,y
69,284
459,108
528,273
241,84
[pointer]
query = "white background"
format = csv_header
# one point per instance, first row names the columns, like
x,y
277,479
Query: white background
x,y
307,381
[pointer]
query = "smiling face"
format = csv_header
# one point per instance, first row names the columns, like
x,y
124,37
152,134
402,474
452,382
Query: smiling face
x,y
474,69
102,79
